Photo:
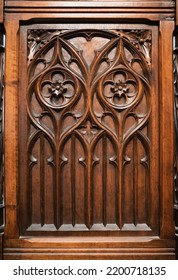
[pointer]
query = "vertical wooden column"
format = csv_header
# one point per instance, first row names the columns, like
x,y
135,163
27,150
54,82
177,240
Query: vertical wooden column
x,y
176,137
1,138
1,10
11,121
166,127
176,129
1,127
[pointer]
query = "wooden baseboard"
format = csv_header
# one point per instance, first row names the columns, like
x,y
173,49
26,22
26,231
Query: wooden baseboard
x,y
55,249
85,254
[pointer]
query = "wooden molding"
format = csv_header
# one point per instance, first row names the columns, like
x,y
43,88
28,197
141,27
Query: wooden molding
x,y
1,10
65,248
90,6
84,10
176,138
1,139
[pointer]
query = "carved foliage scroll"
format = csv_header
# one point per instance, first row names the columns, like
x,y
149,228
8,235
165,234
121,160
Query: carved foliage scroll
x,y
88,105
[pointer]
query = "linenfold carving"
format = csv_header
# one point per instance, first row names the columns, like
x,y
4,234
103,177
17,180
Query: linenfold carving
x,y
88,134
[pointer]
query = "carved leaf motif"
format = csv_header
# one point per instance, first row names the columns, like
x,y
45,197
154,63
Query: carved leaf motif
x,y
141,39
37,39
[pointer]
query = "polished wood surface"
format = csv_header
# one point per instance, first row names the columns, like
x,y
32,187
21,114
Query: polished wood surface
x,y
166,126
83,10
89,248
1,138
1,11
89,146
176,137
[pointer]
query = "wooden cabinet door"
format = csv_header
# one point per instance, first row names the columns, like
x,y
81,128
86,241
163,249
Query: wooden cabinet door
x,y
88,144
92,131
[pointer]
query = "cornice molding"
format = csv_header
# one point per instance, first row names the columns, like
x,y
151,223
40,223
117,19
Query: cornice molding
x,y
121,6
151,10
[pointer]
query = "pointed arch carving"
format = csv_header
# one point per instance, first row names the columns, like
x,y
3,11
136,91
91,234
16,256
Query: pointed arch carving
x,y
88,110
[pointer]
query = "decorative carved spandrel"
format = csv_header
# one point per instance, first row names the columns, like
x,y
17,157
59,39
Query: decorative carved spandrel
x,y
88,105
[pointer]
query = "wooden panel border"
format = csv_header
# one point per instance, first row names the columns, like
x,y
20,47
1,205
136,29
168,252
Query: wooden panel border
x,y
11,125
1,138
1,10
176,129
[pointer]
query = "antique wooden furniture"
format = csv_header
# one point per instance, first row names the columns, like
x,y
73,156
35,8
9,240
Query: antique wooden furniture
x,y
89,130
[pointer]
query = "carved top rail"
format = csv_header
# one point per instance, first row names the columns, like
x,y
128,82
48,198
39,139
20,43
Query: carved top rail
x,y
145,9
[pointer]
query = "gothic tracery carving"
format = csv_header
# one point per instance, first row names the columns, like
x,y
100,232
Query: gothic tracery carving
x,y
82,102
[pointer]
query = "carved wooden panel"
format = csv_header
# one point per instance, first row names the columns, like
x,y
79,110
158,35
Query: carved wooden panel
x,y
87,145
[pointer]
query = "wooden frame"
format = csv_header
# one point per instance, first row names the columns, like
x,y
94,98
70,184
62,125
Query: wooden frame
x,y
176,136
176,131
1,10
153,12
1,128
